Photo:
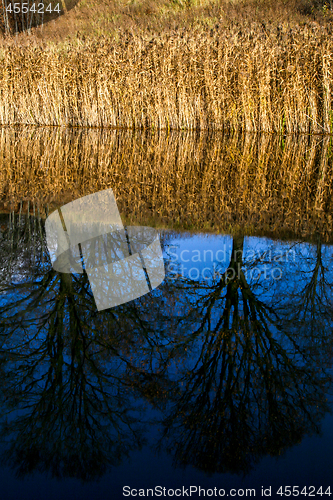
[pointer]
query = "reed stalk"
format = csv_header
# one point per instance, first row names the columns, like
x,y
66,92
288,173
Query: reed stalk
x,y
275,81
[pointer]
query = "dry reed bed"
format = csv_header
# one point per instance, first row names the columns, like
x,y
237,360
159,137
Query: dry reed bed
x,y
254,79
182,180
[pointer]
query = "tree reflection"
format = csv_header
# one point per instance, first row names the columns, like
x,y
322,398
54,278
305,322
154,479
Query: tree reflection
x,y
309,304
230,363
65,372
73,414
247,386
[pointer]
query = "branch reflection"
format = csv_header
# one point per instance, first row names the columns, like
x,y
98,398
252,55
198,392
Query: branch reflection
x,y
238,367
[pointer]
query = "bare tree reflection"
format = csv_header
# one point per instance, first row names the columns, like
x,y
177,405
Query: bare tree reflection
x,y
233,364
247,386
68,404
309,306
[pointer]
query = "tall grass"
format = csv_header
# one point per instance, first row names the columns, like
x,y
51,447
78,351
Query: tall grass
x,y
252,79
260,184
212,67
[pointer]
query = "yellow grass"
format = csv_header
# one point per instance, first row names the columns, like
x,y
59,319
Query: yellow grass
x,y
217,72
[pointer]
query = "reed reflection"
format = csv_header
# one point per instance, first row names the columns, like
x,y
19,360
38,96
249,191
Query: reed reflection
x,y
257,183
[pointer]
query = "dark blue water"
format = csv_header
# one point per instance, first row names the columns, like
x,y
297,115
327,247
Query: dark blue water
x,y
220,378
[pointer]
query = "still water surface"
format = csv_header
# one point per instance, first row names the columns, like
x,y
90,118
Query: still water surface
x,y
221,377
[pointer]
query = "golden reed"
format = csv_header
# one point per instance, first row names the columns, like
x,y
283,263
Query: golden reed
x,y
206,182
253,79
